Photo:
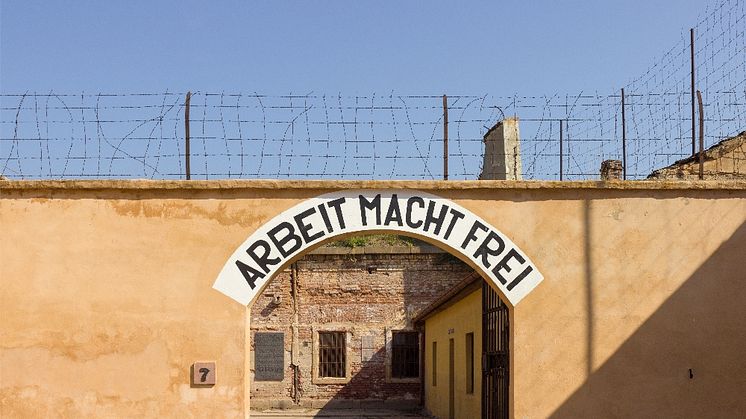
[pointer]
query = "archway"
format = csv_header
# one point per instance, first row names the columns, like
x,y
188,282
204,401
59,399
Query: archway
x,y
333,216
418,214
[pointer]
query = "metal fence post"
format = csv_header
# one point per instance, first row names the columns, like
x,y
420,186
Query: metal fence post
x,y
561,157
624,140
701,136
691,44
445,137
186,134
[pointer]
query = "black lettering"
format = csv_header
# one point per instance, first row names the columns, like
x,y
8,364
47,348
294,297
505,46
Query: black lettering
x,y
325,216
393,213
375,204
410,203
484,249
305,228
337,204
438,221
457,215
250,274
262,260
471,236
290,236
503,264
204,372
520,277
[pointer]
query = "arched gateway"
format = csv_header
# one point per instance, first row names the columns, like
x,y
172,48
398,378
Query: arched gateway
x,y
291,234
414,213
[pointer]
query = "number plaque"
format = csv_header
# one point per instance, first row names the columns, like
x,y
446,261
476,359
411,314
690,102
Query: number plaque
x,y
203,374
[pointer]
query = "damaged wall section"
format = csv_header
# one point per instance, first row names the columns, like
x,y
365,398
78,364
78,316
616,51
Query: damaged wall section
x,y
724,160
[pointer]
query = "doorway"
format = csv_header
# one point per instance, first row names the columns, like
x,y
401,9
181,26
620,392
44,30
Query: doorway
x,y
451,381
495,355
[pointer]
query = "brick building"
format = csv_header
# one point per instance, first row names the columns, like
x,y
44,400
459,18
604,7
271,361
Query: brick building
x,y
345,315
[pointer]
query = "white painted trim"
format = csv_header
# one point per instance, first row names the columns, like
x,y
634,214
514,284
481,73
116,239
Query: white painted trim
x,y
344,212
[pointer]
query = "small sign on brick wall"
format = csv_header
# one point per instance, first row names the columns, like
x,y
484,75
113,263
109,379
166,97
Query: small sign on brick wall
x,y
367,350
269,356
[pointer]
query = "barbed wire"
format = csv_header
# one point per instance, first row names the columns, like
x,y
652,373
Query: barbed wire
x,y
382,135
720,58
376,136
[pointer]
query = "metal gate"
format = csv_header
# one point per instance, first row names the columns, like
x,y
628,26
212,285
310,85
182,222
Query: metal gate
x,y
495,355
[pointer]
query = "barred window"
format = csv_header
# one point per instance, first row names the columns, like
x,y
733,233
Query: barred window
x,y
332,354
405,355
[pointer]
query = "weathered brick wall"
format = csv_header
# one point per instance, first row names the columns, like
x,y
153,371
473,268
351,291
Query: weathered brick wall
x,y
362,294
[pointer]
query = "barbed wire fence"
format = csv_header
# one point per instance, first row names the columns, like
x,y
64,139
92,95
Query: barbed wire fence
x,y
50,135
660,124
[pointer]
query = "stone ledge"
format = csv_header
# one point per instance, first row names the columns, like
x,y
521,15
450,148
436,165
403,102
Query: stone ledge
x,y
287,405
367,250
332,185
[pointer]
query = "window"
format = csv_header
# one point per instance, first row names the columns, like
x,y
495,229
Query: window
x,y
405,355
470,363
332,354
435,364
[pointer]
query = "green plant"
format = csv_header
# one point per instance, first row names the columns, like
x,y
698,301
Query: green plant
x,y
375,240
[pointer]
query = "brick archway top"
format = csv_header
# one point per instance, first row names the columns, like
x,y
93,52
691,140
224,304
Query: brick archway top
x,y
413,213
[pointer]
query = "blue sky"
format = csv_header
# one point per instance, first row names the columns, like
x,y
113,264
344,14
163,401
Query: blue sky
x,y
354,47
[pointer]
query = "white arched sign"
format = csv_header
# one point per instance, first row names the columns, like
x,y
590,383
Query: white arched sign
x,y
286,236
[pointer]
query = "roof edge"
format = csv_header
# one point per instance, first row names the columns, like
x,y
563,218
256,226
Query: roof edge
x,y
716,150
458,292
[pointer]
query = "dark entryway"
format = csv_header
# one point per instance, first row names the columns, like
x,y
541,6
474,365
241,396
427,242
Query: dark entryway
x,y
495,355
451,380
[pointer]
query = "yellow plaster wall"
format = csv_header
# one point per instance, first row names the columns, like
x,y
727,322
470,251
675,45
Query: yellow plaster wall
x,y
109,302
649,287
107,299
455,322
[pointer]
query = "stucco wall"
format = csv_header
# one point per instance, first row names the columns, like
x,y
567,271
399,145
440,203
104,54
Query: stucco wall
x,y
107,294
464,316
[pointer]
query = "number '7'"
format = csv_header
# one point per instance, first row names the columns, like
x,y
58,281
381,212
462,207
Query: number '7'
x,y
204,372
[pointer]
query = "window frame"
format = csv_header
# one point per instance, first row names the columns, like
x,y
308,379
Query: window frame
x,y
403,348
315,377
390,378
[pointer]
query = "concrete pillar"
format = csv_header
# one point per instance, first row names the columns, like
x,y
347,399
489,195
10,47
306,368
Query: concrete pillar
x,y
502,151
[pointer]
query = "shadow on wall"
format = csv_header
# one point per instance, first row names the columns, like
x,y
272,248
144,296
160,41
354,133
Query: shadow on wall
x,y
419,288
687,359
368,387
356,393
588,273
